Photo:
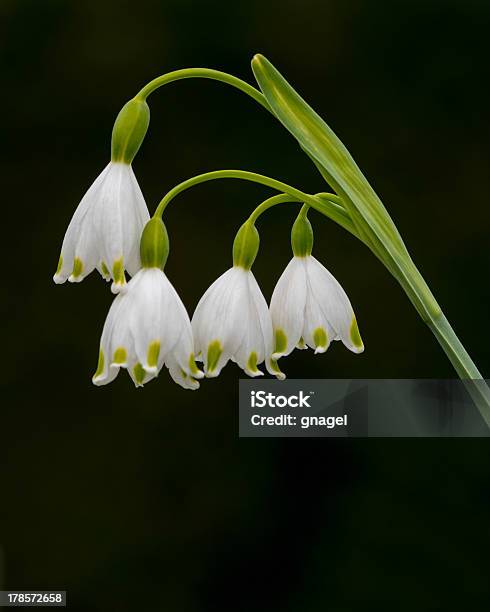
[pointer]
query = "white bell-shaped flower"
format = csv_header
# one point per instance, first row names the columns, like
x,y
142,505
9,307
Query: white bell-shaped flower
x,y
232,320
308,305
105,230
148,326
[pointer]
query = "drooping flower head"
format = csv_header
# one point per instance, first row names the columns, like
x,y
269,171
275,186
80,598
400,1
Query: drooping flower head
x,y
106,227
232,320
147,325
308,305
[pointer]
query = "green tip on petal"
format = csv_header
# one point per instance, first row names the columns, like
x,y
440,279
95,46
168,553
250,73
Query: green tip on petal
x,y
60,265
120,356
301,344
276,369
100,364
118,272
105,270
320,338
214,353
153,353
139,373
355,336
281,341
193,367
77,267
252,363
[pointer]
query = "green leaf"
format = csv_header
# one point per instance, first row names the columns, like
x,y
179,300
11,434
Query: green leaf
x,y
372,222
371,219
329,153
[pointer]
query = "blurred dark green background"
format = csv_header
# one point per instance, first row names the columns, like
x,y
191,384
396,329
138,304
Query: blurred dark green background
x,y
146,499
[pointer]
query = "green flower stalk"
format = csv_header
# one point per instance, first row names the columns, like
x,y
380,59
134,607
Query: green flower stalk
x,y
302,235
129,130
246,245
154,245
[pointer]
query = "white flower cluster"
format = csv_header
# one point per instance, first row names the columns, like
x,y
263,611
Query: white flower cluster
x,y
148,327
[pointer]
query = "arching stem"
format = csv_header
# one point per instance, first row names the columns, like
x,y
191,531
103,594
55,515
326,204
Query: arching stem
x,y
282,198
327,204
203,73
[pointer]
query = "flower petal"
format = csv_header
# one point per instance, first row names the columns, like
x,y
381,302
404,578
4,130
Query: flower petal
x,y
265,322
137,217
217,321
288,306
181,377
334,303
317,331
77,242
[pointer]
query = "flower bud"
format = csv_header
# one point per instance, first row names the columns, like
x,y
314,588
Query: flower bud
x,y
302,236
154,244
246,246
129,130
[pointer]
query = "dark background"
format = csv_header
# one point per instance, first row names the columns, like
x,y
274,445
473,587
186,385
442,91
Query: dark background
x,y
123,496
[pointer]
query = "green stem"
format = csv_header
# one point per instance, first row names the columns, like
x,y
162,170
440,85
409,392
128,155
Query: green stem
x,y
203,73
463,364
327,204
304,210
282,198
